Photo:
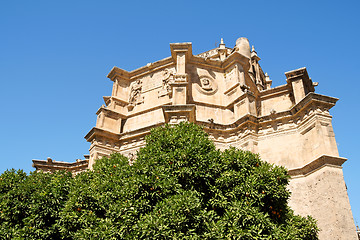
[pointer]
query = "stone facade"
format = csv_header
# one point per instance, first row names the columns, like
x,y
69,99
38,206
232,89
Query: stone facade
x,y
226,91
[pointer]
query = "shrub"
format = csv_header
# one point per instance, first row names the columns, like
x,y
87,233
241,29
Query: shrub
x,y
180,187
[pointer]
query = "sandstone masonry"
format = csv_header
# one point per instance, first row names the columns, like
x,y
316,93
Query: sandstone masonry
x,y
226,91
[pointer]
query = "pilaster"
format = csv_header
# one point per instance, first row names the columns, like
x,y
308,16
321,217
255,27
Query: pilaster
x,y
181,53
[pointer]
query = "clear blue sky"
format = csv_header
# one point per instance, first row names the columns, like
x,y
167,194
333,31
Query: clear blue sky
x,y
55,55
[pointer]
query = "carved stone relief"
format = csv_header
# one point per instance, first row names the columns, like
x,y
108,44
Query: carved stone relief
x,y
135,94
207,85
168,77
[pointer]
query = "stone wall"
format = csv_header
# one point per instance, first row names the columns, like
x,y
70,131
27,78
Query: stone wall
x,y
226,91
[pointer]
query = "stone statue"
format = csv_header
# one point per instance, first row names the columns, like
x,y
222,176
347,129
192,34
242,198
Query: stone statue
x,y
135,92
168,78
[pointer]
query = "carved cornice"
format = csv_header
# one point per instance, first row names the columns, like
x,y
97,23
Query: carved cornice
x,y
130,76
58,165
139,133
118,72
129,115
309,100
289,115
228,128
301,73
152,67
110,113
181,47
94,132
315,165
314,98
293,115
108,99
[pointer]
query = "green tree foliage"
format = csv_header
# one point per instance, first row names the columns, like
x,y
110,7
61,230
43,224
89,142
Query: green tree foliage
x,y
180,187
30,205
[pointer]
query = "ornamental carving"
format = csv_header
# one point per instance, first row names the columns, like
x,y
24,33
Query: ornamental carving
x,y
168,77
207,85
135,94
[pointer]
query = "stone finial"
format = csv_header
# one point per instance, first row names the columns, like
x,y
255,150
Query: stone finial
x,y
49,160
268,81
222,44
254,53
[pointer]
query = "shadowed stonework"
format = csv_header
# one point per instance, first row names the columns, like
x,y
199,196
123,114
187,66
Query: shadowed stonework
x,y
226,91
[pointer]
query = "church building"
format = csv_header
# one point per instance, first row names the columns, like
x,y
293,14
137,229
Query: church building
x,y
226,91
